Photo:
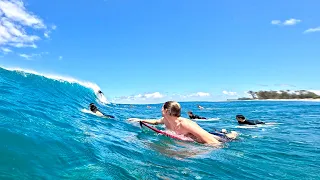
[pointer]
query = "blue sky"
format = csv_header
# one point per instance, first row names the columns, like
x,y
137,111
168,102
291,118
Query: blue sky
x,y
150,51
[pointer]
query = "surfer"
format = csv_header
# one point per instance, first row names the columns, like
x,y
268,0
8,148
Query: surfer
x,y
200,107
193,116
94,109
171,118
242,120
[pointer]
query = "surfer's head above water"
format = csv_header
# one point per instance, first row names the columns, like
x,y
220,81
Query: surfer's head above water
x,y
171,108
100,92
240,117
93,107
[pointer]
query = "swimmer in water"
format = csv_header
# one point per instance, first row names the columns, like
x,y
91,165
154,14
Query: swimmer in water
x,y
193,116
94,109
171,118
242,120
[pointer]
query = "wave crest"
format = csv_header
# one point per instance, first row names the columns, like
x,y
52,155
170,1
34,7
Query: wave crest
x,y
60,78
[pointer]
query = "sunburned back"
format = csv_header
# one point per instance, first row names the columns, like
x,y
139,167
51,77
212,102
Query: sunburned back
x,y
186,127
176,126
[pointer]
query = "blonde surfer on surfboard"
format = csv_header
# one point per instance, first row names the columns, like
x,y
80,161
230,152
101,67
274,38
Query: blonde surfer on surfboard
x,y
171,118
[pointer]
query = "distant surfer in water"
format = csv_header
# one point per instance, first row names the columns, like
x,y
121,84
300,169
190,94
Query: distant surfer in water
x,y
193,116
242,120
94,109
171,112
200,107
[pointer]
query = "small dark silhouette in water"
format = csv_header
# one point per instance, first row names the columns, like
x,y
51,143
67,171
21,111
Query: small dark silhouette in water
x,y
193,116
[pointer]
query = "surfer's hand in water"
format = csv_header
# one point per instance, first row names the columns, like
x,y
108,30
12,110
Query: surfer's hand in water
x,y
232,135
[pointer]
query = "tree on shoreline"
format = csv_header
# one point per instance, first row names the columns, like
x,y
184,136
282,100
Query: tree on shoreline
x,y
253,94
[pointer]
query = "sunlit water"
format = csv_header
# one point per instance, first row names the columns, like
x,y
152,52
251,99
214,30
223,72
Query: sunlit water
x,y
47,132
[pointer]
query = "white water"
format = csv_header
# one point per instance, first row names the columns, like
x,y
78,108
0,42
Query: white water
x,y
86,84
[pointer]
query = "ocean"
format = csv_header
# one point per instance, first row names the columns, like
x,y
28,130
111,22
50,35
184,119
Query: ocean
x,y
48,132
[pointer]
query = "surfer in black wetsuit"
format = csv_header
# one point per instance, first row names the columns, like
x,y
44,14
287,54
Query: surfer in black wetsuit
x,y
95,110
242,120
193,116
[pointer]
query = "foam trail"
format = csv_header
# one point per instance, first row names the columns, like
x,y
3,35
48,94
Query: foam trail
x,y
257,125
86,84
209,119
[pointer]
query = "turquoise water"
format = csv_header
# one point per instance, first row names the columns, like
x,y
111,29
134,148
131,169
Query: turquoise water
x,y
46,132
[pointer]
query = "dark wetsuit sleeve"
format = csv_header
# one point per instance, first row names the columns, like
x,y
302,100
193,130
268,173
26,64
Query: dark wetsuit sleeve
x,y
259,122
251,122
196,117
108,116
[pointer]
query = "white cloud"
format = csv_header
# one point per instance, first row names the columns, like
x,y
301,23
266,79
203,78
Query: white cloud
x,y
6,50
312,30
230,93
289,22
154,95
54,27
275,22
33,55
26,56
139,97
15,22
199,94
46,34
158,97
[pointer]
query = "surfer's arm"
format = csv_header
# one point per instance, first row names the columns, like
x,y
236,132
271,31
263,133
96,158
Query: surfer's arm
x,y
202,135
149,121
108,116
259,122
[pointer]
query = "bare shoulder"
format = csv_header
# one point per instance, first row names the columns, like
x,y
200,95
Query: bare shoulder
x,y
186,123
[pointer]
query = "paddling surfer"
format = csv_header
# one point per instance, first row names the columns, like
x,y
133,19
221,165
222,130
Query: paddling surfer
x,y
242,120
193,116
171,118
94,109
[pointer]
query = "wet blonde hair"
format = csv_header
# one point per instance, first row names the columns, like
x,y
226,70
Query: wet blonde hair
x,y
173,108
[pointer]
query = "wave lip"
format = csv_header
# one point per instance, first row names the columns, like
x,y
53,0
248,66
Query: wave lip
x,y
60,78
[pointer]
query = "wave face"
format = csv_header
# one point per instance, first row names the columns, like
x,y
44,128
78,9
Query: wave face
x,y
47,132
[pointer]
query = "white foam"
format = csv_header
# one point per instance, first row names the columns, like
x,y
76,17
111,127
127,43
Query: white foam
x,y
247,127
86,84
257,125
209,119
